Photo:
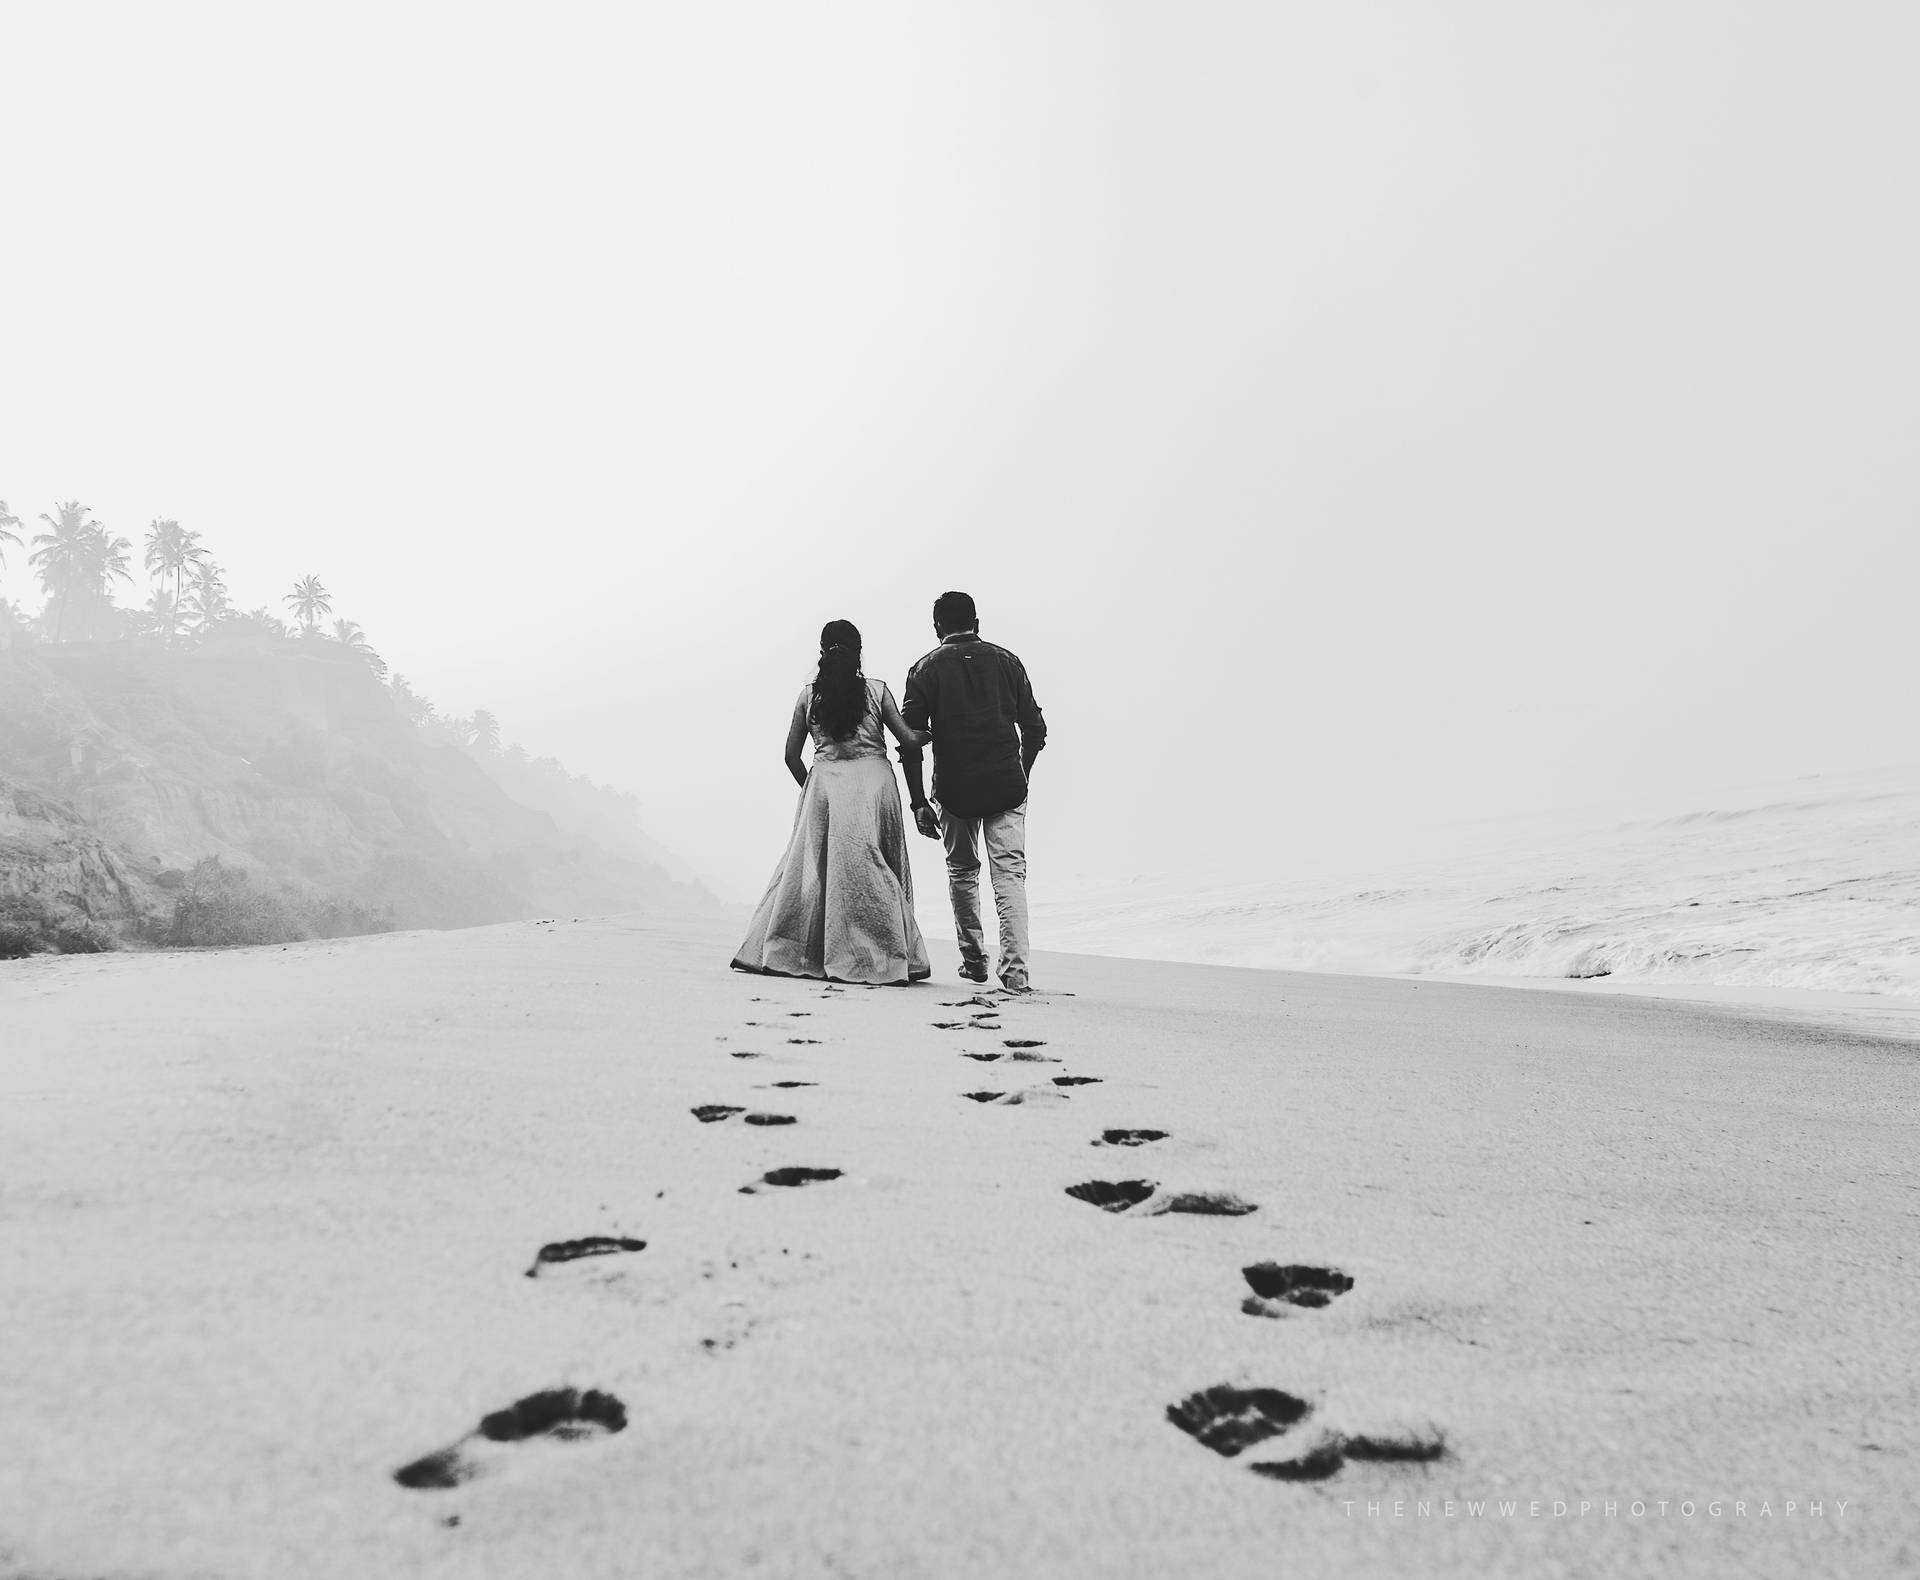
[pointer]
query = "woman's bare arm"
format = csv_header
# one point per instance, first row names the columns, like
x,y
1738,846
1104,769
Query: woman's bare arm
x,y
890,716
797,738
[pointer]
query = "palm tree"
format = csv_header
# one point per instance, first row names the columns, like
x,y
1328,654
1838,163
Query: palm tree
x,y
414,708
461,730
77,561
7,535
60,556
350,636
206,600
165,612
486,730
171,548
310,602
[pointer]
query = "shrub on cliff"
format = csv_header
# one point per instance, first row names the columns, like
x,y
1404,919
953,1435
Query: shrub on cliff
x,y
20,935
82,935
221,905
30,926
332,917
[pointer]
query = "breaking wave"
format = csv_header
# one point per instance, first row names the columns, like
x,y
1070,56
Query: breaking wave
x,y
1804,893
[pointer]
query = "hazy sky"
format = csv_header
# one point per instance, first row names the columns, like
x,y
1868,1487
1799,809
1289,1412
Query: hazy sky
x,y
1357,415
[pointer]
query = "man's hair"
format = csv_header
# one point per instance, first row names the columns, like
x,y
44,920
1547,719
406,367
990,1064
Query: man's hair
x,y
953,611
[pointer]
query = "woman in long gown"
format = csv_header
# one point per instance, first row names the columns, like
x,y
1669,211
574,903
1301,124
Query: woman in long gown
x,y
840,904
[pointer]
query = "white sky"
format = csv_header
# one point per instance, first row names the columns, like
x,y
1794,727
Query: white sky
x,y
1358,416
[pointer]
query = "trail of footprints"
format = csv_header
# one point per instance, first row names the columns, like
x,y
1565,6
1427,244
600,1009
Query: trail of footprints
x,y
568,1415
1227,1419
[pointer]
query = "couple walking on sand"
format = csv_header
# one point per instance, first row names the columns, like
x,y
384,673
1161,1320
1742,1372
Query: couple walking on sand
x,y
840,904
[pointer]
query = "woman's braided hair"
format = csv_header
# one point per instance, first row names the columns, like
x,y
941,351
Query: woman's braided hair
x,y
839,689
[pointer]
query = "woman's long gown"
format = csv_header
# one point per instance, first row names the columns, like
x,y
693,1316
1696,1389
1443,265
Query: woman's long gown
x,y
841,902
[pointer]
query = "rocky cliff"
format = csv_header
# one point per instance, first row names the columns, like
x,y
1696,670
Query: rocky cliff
x,y
125,763
57,870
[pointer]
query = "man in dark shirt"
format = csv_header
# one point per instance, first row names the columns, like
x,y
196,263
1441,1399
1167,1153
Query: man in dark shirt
x,y
987,730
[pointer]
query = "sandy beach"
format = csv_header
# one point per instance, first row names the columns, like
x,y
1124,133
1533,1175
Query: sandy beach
x,y
267,1219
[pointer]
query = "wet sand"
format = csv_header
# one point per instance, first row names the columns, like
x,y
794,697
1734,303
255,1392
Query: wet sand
x,y
267,1219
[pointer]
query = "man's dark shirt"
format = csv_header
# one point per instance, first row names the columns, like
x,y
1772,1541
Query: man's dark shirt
x,y
973,695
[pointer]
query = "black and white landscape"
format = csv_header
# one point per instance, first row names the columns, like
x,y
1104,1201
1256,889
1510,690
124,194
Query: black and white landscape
x,y
1448,476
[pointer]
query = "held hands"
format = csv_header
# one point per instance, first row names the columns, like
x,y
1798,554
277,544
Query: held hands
x,y
927,820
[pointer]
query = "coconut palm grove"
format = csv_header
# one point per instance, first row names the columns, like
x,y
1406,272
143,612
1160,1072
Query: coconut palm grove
x,y
180,772
80,566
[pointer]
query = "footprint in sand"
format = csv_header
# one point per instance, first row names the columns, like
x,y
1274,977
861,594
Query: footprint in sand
x,y
799,1014
1124,1195
949,1025
1025,1095
557,1415
1023,1042
783,1085
788,1177
1230,1420
573,1250
1113,1195
1207,1203
742,1053
1278,1289
984,1058
804,1042
1064,1080
1128,1138
712,1113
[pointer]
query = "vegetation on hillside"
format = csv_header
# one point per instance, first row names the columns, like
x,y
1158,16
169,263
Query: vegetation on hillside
x,y
77,565
77,562
219,904
216,905
28,928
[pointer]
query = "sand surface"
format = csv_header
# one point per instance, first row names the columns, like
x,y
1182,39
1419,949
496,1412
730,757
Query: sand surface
x,y
266,1218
